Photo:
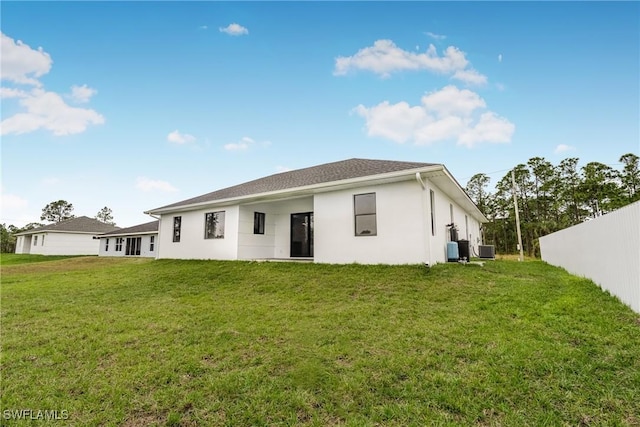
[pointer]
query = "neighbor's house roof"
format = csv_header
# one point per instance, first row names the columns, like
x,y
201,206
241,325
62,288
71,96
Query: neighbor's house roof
x,y
326,177
146,228
81,224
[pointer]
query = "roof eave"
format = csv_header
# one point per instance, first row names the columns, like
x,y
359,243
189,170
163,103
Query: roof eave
x,y
465,199
100,236
24,233
304,190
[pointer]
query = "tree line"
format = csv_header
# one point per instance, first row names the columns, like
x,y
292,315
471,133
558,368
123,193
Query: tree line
x,y
551,197
54,212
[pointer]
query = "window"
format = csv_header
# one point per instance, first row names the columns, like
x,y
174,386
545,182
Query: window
x,y
42,242
432,201
451,212
152,243
119,241
258,222
364,207
106,245
214,225
177,224
35,240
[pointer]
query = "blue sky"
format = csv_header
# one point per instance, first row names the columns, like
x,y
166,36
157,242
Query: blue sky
x,y
134,105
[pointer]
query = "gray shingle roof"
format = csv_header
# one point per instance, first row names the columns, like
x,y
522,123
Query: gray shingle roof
x,y
81,224
329,172
147,227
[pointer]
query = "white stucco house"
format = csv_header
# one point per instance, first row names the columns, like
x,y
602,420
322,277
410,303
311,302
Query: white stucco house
x,y
356,210
70,237
137,241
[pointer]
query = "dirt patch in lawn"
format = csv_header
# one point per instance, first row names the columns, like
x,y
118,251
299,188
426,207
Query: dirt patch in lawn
x,y
70,264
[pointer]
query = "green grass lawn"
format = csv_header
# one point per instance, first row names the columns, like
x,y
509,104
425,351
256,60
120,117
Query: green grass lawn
x,y
11,259
137,342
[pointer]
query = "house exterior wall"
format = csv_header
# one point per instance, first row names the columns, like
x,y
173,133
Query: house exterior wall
x,y
605,250
403,222
256,246
400,222
145,248
283,223
192,243
62,244
37,245
23,244
446,212
276,241
438,232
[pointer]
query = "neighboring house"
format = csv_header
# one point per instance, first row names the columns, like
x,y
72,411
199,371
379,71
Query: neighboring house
x,y
357,210
70,237
139,240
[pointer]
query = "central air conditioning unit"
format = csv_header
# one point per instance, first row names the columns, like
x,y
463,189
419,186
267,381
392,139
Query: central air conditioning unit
x,y
486,252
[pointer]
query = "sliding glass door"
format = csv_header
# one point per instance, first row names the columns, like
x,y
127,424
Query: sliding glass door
x,y
302,234
133,245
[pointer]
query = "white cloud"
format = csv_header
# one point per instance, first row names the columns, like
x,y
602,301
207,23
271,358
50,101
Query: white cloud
x,y
435,36
500,58
203,27
444,128
14,209
41,109
452,101
396,122
146,184
180,138
21,64
563,148
47,110
490,128
470,76
280,169
51,181
13,202
234,30
82,94
7,92
384,58
245,144
447,114
241,145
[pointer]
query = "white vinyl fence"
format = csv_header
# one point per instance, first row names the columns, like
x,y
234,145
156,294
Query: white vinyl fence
x,y
605,250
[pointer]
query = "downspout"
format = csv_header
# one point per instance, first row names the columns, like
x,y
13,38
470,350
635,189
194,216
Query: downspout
x,y
425,225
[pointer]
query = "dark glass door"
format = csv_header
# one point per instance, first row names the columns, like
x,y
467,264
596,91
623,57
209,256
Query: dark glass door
x,y
133,245
302,234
